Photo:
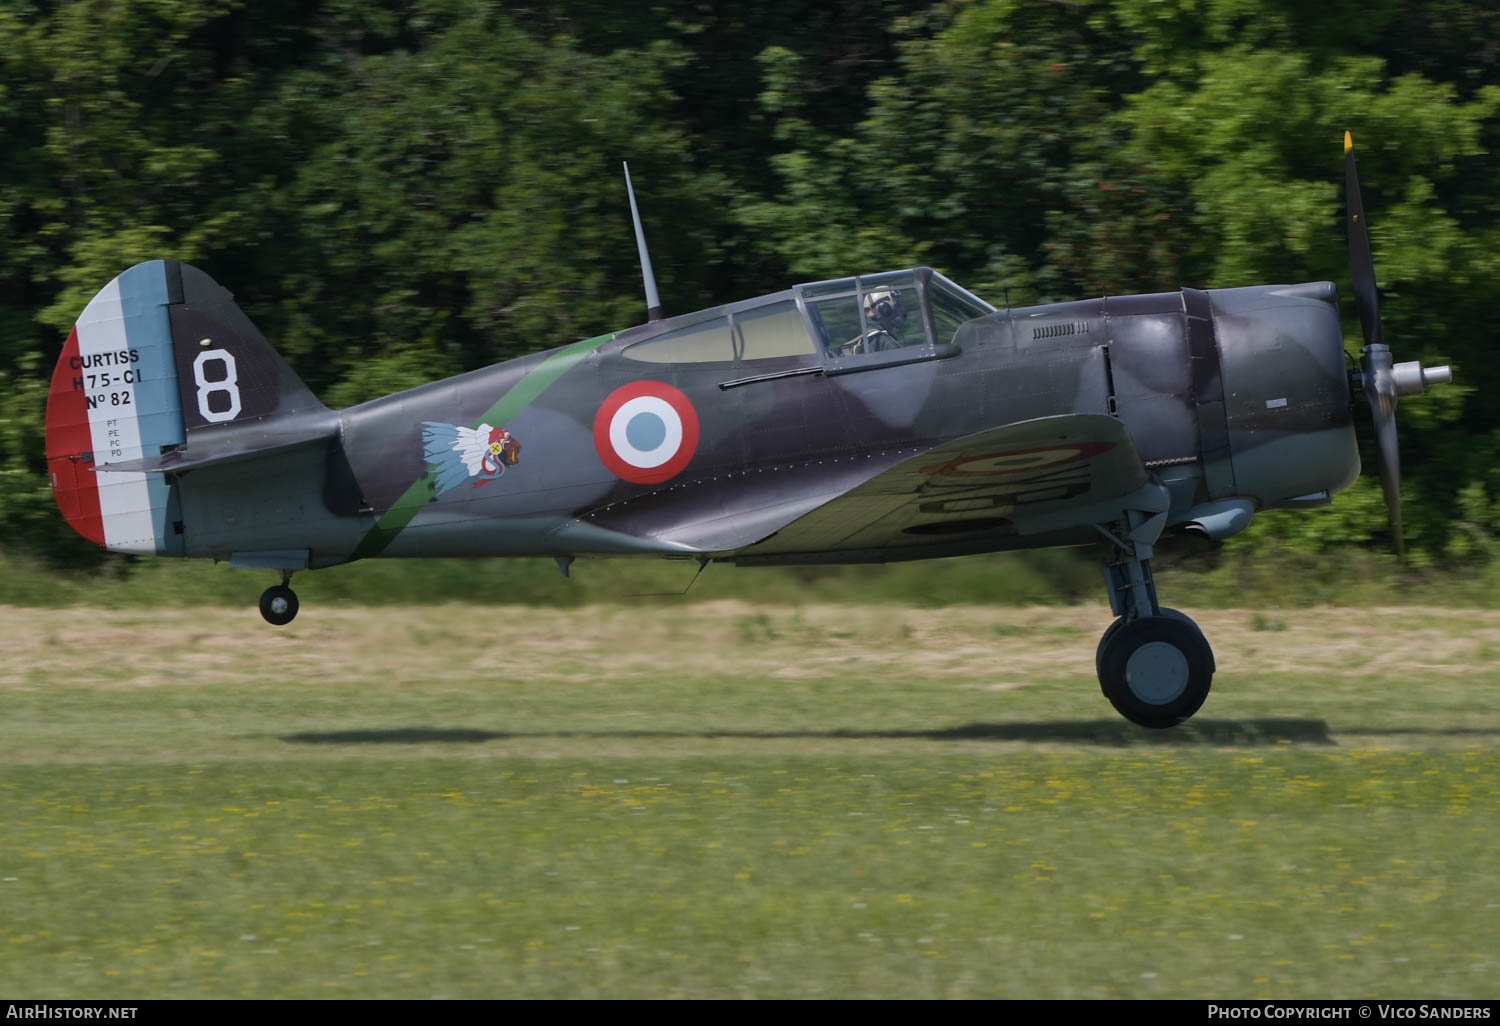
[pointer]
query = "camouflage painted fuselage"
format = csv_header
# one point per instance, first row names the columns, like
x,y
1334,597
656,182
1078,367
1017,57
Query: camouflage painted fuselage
x,y
744,443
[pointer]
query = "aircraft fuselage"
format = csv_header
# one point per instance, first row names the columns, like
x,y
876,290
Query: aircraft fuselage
x,y
1238,394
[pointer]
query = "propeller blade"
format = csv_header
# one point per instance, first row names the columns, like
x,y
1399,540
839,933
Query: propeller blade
x,y
1379,379
1382,381
1380,388
1390,477
1361,262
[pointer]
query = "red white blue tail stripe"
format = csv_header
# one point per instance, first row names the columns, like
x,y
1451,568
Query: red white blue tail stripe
x,y
114,398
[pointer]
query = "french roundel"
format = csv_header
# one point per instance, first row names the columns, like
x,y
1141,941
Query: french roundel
x,y
646,432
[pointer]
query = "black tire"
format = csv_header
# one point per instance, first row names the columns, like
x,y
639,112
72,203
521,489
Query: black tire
x,y
1172,614
1109,632
1156,671
278,604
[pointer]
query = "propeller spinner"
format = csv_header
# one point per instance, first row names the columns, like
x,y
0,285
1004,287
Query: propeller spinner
x,y
1381,380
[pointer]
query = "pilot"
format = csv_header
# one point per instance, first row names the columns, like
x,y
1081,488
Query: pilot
x,y
885,320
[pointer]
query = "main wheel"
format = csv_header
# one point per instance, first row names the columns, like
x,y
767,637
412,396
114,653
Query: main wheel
x,y
1171,614
1156,670
278,604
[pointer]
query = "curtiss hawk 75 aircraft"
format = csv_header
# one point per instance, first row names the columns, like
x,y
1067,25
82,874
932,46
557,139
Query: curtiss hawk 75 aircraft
x,y
879,417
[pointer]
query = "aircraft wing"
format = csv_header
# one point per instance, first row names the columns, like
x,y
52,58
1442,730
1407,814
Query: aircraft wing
x,y
1032,477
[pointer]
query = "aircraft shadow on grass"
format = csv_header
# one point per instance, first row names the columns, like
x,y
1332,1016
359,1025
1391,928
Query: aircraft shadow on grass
x,y
1105,733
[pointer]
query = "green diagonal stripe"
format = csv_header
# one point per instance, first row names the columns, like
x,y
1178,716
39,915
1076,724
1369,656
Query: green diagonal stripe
x,y
521,395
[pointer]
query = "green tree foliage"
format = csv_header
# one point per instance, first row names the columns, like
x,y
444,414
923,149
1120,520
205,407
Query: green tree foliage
x,y
1060,150
401,189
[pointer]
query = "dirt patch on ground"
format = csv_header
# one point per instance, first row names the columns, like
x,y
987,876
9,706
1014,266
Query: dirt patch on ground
x,y
996,646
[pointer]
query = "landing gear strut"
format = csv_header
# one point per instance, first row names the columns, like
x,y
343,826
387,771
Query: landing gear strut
x,y
278,603
1154,664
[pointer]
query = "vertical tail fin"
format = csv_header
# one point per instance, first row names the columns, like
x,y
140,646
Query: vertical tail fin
x,y
161,361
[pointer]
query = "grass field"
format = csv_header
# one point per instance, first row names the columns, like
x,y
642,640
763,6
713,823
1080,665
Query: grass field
x,y
725,799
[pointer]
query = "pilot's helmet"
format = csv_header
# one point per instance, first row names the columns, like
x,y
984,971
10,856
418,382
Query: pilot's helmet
x,y
884,305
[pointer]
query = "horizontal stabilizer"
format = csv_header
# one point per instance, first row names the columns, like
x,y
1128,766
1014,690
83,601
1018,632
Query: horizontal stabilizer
x,y
232,448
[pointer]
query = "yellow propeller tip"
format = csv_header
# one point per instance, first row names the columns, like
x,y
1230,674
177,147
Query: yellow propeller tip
x,y
1348,142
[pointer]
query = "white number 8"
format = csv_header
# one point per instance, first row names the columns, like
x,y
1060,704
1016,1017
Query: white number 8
x,y
229,384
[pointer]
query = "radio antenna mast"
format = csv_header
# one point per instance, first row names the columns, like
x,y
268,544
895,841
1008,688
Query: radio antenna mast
x,y
653,301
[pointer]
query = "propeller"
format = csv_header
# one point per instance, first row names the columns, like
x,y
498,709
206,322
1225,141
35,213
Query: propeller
x,y
1381,380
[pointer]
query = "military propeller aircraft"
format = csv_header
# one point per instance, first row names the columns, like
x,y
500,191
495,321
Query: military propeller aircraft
x,y
879,417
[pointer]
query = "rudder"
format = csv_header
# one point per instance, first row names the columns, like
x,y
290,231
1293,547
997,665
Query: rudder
x,y
114,397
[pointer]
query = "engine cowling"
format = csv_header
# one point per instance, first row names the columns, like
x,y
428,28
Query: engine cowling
x,y
1287,409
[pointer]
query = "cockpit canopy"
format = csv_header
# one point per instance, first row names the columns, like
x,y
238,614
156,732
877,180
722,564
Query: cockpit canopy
x,y
895,310
843,318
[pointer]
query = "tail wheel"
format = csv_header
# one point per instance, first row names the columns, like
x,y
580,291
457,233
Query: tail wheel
x,y
278,604
1156,670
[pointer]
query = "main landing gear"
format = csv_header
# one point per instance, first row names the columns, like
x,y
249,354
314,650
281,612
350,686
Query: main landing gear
x,y
1154,664
278,603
